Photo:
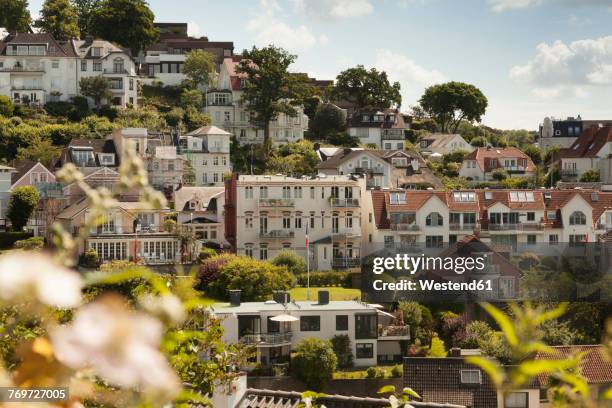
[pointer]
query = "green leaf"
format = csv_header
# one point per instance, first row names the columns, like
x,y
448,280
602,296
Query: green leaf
x,y
410,392
493,370
551,314
386,389
504,323
578,383
607,395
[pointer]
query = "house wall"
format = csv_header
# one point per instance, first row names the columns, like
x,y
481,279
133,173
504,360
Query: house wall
x,y
533,398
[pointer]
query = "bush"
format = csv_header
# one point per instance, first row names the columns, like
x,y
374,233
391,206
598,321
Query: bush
x,y
30,244
8,238
109,112
590,176
89,259
206,253
499,174
257,279
6,106
22,203
325,279
476,333
397,371
375,372
314,362
294,263
210,269
437,349
341,343
195,119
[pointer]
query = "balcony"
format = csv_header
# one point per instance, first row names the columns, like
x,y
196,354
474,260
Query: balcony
x,y
344,263
515,169
462,227
515,227
28,68
27,87
276,202
368,170
115,71
394,333
405,227
344,202
347,233
267,339
277,234
569,173
121,230
393,136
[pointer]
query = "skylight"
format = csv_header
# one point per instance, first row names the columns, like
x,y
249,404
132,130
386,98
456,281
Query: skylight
x,y
577,146
465,196
522,197
397,198
488,195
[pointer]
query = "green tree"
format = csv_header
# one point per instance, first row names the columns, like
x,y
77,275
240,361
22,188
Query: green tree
x,y
42,150
411,313
534,153
257,279
269,89
341,343
590,176
191,98
6,106
294,263
343,139
22,202
14,15
195,119
84,10
95,87
479,141
499,174
127,22
293,158
453,102
367,88
60,19
314,362
200,68
328,119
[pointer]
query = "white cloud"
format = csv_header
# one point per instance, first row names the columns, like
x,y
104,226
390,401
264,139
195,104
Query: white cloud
x,y
413,77
504,5
193,29
334,9
560,69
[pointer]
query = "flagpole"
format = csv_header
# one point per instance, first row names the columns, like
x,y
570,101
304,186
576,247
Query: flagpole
x,y
307,264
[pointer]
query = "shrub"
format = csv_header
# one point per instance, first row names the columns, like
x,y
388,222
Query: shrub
x,y
30,244
6,106
8,238
325,279
375,372
499,174
206,253
590,176
257,279
476,333
397,371
210,268
89,259
22,203
341,343
411,313
294,263
109,112
195,119
314,362
437,349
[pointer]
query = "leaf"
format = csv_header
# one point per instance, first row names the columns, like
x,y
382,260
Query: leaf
x,y
551,314
386,389
504,323
410,392
607,395
493,370
578,383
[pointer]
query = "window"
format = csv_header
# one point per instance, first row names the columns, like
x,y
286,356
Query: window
x,y
397,198
516,400
96,51
577,218
118,66
552,215
248,250
434,241
553,239
298,220
84,65
97,66
577,240
55,64
286,220
286,192
364,350
531,239
273,326
312,219
310,323
389,241
465,197
263,192
366,326
131,84
530,216
522,196
312,193
341,322
434,220
248,192
263,252
470,377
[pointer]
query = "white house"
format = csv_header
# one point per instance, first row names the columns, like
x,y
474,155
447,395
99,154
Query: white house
x,y
208,151
482,162
383,128
442,144
592,146
202,210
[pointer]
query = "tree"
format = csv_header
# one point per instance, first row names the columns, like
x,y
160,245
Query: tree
x,y
42,150
314,362
269,89
200,68
22,203
294,263
127,22
479,141
293,158
84,10
14,15
590,176
195,119
95,87
60,19
453,102
257,279
328,119
411,313
534,153
6,106
499,174
367,88
341,343
191,98
343,139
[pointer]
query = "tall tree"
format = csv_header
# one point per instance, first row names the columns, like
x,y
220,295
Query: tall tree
x,y
453,102
96,87
60,19
84,10
14,15
200,68
126,22
270,89
367,88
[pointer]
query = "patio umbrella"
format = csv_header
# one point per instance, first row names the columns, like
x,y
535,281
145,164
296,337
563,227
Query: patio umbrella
x,y
284,318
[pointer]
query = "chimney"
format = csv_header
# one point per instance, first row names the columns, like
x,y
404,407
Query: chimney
x,y
455,352
235,297
323,297
229,395
89,39
281,296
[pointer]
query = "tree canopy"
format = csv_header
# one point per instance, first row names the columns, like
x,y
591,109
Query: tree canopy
x,y
453,102
328,119
367,88
269,88
22,203
96,87
126,22
314,362
199,67
14,15
60,19
84,10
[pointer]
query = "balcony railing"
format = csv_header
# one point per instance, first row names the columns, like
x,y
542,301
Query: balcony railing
x,y
394,331
515,227
27,88
341,263
346,233
462,227
569,172
393,136
29,68
344,202
277,234
267,338
405,227
515,169
276,202
118,230
115,71
368,170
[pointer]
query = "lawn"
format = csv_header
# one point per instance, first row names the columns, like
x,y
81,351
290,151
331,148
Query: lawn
x,y
335,293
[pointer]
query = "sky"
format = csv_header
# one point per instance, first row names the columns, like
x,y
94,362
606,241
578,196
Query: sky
x,y
531,58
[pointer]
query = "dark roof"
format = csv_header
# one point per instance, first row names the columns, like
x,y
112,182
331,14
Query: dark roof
x,y
589,143
21,168
595,367
97,145
55,48
397,123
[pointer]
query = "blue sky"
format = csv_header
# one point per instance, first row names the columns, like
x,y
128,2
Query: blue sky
x,y
531,58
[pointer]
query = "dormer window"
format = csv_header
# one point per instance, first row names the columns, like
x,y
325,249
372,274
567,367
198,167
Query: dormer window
x,y
192,205
365,118
96,51
118,66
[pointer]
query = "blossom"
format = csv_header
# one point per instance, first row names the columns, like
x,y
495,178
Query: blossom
x,y
27,274
165,306
120,345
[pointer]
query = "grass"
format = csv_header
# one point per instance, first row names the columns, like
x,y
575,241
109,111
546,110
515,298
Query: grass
x,y
335,293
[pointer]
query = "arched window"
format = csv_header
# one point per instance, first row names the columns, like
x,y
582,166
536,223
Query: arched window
x,y
577,218
434,219
118,65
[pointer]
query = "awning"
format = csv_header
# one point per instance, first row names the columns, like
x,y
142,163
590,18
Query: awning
x,y
284,318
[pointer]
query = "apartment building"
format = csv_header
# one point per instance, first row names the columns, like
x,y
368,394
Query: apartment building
x,y
381,168
482,162
227,110
35,68
202,210
208,151
385,129
586,153
564,132
266,214
165,168
372,335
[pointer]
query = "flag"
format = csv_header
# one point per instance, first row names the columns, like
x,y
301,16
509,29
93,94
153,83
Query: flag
x,y
306,236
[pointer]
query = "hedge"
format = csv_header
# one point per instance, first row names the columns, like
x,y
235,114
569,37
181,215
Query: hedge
x,y
8,239
324,279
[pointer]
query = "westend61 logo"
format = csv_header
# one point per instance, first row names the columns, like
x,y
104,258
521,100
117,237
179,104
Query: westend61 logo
x,y
413,264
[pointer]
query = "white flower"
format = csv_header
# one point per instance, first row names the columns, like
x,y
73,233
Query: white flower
x,y
27,274
167,306
119,345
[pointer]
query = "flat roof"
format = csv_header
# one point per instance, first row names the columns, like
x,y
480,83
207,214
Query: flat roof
x,y
301,306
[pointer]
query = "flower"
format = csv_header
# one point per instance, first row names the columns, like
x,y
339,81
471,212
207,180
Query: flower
x,y
165,306
27,274
120,345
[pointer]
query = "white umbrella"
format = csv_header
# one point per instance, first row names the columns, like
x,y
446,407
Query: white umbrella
x,y
284,318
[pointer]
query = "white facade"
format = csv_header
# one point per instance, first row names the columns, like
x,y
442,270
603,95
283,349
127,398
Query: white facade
x,y
208,151
383,129
202,210
5,187
443,144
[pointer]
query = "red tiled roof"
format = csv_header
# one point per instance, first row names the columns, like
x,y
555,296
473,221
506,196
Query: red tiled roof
x,y
588,145
481,155
595,367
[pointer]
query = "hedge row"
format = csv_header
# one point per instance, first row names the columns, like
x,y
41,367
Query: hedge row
x,y
8,239
324,279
